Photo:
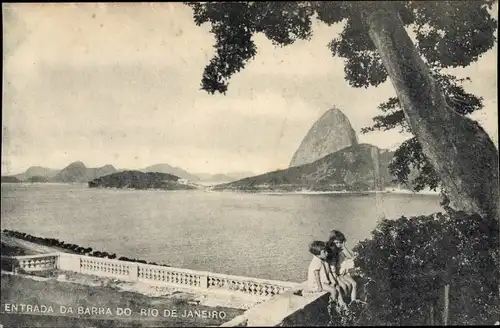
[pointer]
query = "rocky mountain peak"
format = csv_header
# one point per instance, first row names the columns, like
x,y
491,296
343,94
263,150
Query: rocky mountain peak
x,y
330,133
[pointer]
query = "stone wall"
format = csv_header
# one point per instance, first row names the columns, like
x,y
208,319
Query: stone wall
x,y
287,309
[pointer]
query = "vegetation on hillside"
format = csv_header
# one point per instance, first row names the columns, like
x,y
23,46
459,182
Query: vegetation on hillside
x,y
139,180
349,169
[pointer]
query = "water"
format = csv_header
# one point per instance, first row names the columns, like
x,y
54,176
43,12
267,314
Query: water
x,y
258,235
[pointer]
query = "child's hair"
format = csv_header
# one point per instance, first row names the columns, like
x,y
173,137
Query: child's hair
x,y
336,235
331,245
316,247
333,252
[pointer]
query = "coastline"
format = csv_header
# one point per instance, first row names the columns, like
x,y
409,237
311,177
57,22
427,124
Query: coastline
x,y
24,183
306,192
213,188
343,193
411,192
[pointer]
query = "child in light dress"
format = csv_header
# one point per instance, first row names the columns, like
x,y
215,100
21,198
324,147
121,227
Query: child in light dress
x,y
319,276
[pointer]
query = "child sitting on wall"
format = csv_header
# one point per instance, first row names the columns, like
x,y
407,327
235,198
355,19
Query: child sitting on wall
x,y
343,262
319,277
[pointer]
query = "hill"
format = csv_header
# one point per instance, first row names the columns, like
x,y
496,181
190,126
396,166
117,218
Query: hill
x,y
74,172
330,133
220,177
360,167
240,175
139,180
102,171
37,171
10,179
166,168
78,172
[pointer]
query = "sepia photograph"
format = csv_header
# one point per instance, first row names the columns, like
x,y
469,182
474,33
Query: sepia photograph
x,y
250,163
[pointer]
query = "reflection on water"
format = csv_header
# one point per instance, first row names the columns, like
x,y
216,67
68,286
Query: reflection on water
x,y
259,235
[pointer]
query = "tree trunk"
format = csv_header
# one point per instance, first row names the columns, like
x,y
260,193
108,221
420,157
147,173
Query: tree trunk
x,y
461,152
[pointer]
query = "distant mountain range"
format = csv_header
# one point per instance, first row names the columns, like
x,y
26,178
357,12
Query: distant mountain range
x,y
329,158
78,172
225,177
37,171
168,169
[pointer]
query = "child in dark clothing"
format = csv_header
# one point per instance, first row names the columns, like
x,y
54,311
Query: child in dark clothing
x,y
343,262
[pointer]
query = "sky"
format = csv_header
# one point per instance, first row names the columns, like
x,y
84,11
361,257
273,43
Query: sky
x,y
119,84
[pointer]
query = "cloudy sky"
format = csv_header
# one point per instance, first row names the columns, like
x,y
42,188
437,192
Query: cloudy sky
x,y
120,84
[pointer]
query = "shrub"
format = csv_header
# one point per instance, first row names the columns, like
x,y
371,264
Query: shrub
x,y
411,259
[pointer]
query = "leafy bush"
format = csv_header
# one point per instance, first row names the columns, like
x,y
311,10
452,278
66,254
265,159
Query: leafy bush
x,y
409,261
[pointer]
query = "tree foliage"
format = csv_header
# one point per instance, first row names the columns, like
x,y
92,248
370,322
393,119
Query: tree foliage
x,y
410,259
447,34
409,158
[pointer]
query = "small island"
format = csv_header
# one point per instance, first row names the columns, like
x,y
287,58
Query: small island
x,y
140,180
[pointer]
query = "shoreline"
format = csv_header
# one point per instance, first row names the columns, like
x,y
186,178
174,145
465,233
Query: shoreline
x,y
16,241
212,188
44,183
343,193
411,192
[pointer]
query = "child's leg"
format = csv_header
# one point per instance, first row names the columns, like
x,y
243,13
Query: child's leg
x,y
345,285
354,286
335,294
340,298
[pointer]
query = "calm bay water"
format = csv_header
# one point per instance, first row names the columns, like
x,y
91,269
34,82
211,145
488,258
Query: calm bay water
x,y
259,235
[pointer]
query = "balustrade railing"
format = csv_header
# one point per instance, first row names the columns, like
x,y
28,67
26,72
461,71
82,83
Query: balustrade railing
x,y
168,275
253,286
154,274
38,262
106,267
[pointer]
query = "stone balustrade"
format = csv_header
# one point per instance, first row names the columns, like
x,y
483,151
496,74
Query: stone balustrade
x,y
37,262
257,287
156,275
